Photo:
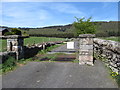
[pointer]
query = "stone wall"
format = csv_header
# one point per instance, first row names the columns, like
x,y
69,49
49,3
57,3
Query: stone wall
x,y
109,52
29,51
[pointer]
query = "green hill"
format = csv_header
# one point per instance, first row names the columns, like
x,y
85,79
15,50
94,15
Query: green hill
x,y
104,29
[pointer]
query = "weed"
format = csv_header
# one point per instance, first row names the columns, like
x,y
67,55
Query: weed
x,y
60,53
76,61
116,76
9,64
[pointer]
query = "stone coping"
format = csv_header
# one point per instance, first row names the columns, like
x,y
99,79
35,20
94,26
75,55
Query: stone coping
x,y
13,37
86,35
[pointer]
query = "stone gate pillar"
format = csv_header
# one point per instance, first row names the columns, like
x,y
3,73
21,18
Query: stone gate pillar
x,y
15,43
86,49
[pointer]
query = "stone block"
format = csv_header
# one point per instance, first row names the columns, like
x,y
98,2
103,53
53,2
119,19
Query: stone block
x,y
86,47
85,59
86,41
87,35
86,52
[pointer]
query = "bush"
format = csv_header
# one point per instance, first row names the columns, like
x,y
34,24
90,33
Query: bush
x,y
9,64
83,26
16,31
8,33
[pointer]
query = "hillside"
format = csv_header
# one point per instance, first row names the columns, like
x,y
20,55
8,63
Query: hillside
x,y
104,29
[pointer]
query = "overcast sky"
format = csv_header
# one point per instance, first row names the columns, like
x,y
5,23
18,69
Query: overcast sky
x,y
40,14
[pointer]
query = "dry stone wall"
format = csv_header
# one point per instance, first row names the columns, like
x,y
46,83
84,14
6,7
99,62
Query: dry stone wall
x,y
29,51
109,52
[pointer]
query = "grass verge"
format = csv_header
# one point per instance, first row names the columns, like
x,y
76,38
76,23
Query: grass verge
x,y
3,45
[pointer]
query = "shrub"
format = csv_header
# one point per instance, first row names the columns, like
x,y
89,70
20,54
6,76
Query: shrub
x,y
8,33
16,31
83,26
9,64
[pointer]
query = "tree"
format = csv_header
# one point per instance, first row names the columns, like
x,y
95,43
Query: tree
x,y
83,26
15,31
8,33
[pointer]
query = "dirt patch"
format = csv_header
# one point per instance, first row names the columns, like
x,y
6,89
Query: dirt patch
x,y
65,58
58,57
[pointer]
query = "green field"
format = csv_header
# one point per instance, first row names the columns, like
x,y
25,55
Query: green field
x,y
30,41
112,38
3,45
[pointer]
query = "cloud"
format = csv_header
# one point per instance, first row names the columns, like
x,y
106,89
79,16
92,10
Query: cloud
x,y
106,5
19,14
28,14
66,8
34,14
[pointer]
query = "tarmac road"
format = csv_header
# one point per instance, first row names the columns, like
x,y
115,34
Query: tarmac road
x,y
59,75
